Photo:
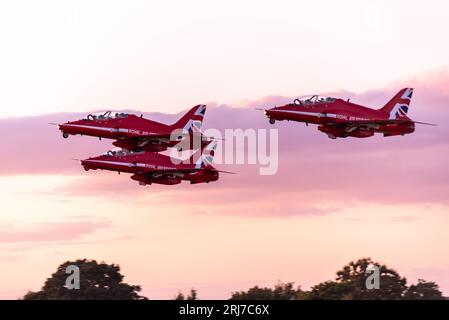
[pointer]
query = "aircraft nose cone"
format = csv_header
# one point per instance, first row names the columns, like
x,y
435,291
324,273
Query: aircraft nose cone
x,y
85,164
64,129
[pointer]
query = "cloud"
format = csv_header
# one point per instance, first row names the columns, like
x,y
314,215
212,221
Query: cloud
x,y
316,175
14,232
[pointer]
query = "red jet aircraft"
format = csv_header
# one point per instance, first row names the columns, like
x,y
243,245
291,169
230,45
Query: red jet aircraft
x,y
136,133
340,118
148,167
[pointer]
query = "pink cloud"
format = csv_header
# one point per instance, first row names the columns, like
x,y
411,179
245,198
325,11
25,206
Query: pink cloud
x,y
312,168
47,231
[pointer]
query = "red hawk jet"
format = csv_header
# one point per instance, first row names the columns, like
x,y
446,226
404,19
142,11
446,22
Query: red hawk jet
x,y
136,133
340,118
149,167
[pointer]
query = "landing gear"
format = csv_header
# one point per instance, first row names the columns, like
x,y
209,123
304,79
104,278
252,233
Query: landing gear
x,y
272,121
86,169
65,135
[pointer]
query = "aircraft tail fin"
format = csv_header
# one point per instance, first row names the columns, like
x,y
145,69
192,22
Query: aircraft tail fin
x,y
398,106
192,120
207,155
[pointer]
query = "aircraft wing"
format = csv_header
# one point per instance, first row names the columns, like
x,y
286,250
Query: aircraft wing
x,y
153,136
181,171
351,125
193,170
387,121
142,136
142,141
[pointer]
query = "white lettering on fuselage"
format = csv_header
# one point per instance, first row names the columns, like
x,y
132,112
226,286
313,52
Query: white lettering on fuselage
x,y
140,133
157,167
350,118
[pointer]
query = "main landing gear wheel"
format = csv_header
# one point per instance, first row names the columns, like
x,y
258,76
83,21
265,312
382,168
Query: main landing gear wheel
x,y
272,121
65,135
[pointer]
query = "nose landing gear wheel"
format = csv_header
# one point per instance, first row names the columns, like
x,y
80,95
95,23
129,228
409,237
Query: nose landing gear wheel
x,y
272,121
65,135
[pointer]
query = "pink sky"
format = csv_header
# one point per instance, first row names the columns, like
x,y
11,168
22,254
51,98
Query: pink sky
x,y
330,202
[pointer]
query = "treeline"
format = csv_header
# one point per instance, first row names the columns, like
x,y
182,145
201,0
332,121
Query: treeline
x,y
363,279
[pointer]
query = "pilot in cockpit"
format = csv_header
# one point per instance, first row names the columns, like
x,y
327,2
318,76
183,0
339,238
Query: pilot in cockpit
x,y
310,100
116,152
106,115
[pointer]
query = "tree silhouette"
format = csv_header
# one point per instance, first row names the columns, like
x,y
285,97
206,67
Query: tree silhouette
x,y
349,284
101,281
192,296
423,290
98,281
281,291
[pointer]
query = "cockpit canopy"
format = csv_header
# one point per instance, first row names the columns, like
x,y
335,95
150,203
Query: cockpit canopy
x,y
314,99
116,152
106,115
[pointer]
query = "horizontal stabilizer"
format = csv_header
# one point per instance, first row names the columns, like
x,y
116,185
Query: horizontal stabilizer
x,y
425,123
